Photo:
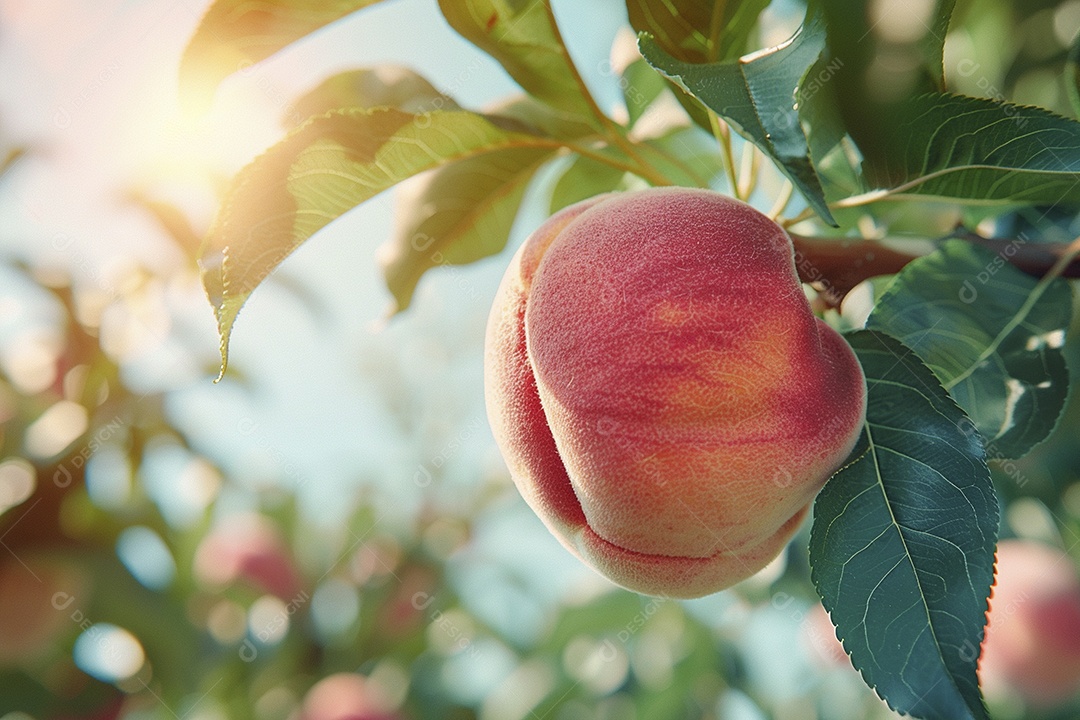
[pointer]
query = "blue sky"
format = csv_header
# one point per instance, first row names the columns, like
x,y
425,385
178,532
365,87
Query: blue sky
x,y
325,396
93,87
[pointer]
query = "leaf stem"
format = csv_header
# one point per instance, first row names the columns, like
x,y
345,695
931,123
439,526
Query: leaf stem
x,y
748,170
873,196
611,129
782,200
805,214
895,193
640,168
645,169
723,136
716,28
699,180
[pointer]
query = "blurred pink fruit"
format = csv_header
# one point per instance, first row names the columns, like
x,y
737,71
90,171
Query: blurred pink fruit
x,y
819,638
346,696
1032,643
247,549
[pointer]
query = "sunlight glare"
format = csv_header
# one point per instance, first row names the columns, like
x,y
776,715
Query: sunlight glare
x,y
17,482
55,429
179,144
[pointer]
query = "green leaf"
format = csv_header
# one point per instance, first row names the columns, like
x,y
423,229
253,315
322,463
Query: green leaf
x,y
641,85
687,155
821,120
902,546
458,214
540,118
584,178
234,34
696,111
382,86
880,74
985,151
739,20
523,37
932,43
320,171
1072,75
756,94
697,31
992,335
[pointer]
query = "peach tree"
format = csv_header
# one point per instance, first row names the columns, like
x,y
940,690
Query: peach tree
x,y
950,216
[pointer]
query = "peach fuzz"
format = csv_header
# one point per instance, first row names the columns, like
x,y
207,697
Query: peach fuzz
x,y
662,394
1032,641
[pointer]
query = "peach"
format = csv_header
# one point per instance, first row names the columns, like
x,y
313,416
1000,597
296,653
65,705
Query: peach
x,y
1032,642
247,549
662,394
345,696
819,639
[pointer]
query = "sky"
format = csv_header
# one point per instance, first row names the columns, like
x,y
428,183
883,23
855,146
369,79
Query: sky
x,y
92,87
326,397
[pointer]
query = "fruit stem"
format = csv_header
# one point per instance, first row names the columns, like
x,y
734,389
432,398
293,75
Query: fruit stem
x,y
841,263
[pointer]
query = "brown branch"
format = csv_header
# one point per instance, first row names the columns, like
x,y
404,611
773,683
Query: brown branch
x,y
836,265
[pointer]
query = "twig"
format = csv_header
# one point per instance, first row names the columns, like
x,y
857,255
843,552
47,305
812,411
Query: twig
x,y
840,264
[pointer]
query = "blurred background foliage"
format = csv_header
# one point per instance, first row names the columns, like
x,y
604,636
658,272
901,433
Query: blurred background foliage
x,y
159,561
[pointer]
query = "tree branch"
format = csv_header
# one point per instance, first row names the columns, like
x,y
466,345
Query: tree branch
x,y
836,265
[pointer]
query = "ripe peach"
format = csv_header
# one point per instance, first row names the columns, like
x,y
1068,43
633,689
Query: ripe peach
x,y
248,549
663,396
345,696
1032,642
819,638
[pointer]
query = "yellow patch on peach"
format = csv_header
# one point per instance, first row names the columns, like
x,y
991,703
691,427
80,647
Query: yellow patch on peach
x,y
670,312
733,388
